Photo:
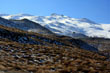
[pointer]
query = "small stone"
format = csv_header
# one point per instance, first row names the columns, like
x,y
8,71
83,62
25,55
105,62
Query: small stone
x,y
2,67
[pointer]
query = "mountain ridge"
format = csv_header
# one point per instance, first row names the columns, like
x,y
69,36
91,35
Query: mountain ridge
x,y
26,25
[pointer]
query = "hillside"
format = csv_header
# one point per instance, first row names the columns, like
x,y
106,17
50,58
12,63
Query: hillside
x,y
26,25
27,52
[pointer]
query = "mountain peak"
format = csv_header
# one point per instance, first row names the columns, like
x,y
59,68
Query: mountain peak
x,y
55,14
87,20
21,14
4,14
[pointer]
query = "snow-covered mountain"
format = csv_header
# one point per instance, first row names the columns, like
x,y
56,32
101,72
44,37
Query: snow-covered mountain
x,y
65,25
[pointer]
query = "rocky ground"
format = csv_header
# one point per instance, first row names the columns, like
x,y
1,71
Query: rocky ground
x,y
35,53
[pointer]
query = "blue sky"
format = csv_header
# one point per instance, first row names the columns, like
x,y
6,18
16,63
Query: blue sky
x,y
95,10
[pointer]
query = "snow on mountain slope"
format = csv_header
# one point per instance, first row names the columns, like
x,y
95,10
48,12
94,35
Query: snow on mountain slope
x,y
65,25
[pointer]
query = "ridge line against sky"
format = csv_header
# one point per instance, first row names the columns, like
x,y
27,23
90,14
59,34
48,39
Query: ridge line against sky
x,y
95,10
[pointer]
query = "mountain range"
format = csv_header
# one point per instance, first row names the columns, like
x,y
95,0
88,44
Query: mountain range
x,y
53,44
65,25
51,25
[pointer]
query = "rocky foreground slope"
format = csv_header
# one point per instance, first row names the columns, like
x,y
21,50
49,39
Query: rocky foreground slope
x,y
25,52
